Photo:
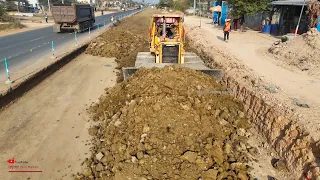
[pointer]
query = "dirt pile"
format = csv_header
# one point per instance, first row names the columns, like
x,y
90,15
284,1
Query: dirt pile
x,y
302,52
123,41
169,123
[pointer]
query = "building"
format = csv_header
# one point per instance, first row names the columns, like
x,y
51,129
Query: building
x,y
286,15
283,18
87,1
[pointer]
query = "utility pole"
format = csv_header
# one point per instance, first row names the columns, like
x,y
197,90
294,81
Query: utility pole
x,y
18,6
194,7
295,34
200,13
49,6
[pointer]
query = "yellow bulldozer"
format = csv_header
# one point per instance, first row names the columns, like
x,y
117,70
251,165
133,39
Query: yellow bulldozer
x,y
167,36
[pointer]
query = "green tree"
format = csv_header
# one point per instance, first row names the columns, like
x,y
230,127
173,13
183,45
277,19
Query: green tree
x,y
242,7
2,10
181,5
165,3
45,2
12,6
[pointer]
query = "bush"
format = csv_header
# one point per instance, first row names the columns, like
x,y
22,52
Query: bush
x,y
11,25
179,5
4,17
284,38
2,10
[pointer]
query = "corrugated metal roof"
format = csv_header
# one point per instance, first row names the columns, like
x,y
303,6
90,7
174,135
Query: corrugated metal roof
x,y
291,2
168,15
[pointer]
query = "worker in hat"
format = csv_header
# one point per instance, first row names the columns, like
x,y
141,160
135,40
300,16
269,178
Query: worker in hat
x,y
227,30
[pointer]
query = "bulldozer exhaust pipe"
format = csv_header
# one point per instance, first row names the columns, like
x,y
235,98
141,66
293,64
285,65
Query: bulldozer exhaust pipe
x,y
164,27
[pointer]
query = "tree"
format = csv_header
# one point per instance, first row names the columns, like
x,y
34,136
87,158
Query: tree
x,y
165,3
2,10
12,6
314,13
180,5
45,2
242,7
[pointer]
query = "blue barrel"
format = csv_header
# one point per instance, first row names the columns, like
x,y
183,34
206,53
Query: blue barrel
x,y
266,29
274,29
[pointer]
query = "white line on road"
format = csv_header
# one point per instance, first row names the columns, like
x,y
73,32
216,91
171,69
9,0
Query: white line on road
x,y
37,38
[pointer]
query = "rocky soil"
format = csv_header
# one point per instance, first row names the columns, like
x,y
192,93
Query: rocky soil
x,y
265,104
123,41
302,52
171,123
177,127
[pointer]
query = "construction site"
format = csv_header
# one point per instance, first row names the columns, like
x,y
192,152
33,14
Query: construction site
x,y
111,110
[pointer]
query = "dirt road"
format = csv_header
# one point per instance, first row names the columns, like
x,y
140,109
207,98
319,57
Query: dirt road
x,y
29,26
290,85
47,128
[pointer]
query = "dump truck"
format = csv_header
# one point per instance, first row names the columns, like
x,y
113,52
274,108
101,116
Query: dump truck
x,y
77,17
167,36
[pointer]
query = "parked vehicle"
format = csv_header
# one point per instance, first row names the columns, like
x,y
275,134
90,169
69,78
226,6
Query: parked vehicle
x,y
77,17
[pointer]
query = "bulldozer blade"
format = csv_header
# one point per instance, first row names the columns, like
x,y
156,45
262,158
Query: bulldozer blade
x,y
217,73
128,72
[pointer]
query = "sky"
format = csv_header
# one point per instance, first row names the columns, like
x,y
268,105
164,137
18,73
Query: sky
x,y
33,2
146,1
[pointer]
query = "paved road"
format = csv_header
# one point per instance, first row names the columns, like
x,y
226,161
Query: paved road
x,y
31,45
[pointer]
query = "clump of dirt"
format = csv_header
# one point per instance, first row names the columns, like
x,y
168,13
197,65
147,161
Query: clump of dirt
x,y
170,123
302,52
123,41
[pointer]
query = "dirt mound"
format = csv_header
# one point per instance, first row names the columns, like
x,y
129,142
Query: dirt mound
x,y
302,52
123,41
172,123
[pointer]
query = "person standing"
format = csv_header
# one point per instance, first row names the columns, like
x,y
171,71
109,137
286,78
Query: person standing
x,y
241,22
46,16
227,30
235,24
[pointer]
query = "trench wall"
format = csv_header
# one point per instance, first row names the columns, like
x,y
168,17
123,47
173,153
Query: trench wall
x,y
277,126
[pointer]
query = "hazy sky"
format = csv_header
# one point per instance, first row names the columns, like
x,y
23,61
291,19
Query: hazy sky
x,y
147,1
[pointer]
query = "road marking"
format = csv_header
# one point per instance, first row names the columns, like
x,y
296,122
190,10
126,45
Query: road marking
x,y
37,38
44,44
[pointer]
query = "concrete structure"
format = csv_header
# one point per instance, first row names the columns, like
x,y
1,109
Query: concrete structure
x,y
289,14
88,1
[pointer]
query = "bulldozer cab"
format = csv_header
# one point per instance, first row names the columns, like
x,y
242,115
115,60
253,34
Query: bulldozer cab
x,y
166,38
167,48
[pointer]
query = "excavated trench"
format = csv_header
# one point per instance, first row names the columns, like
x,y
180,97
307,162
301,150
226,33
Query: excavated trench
x,y
184,126
276,124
